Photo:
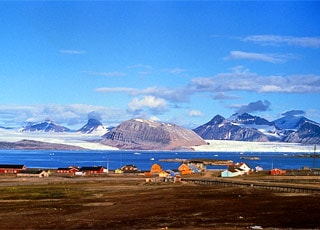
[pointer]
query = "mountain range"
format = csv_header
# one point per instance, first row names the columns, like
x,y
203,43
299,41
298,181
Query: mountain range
x,y
246,127
146,134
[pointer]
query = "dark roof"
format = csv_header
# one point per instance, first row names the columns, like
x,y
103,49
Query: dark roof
x,y
12,166
97,168
33,171
66,169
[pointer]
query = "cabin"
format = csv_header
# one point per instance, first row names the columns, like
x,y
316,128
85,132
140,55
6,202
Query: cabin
x,y
11,169
129,169
156,168
276,171
185,169
236,169
92,170
33,173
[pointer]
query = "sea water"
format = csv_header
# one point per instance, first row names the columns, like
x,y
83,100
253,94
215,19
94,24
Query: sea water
x,y
145,159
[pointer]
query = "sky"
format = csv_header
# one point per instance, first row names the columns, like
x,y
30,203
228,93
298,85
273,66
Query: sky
x,y
180,62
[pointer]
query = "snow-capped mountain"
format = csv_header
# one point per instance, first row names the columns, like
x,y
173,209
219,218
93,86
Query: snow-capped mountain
x,y
45,126
290,122
247,120
245,127
93,126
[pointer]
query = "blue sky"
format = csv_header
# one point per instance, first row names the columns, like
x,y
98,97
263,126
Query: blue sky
x,y
175,61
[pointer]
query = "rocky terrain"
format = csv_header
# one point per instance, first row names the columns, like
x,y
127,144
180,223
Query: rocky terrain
x,y
145,134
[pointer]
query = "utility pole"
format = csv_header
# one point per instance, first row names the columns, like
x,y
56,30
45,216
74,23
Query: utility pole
x,y
314,157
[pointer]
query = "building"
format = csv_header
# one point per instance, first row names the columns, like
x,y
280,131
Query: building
x,y
277,172
236,169
129,169
185,169
92,170
11,169
33,173
68,171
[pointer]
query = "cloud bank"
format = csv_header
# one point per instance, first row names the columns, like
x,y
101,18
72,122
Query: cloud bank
x,y
273,58
276,40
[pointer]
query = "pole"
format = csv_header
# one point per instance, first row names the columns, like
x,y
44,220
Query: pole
x,y
314,157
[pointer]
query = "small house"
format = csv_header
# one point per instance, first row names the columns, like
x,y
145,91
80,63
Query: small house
x,y
156,168
237,169
276,171
185,169
11,169
129,169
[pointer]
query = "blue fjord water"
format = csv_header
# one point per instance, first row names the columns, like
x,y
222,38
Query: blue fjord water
x,y
144,159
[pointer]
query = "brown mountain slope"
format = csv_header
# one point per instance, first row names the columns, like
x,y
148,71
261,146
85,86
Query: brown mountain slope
x,y
147,135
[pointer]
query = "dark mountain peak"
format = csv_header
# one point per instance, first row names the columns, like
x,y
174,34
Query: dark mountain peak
x,y
45,126
94,122
93,125
218,119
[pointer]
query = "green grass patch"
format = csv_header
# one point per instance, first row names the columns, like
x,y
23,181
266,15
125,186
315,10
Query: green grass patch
x,y
40,192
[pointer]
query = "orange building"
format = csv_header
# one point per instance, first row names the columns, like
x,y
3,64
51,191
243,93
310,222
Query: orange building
x,y
185,169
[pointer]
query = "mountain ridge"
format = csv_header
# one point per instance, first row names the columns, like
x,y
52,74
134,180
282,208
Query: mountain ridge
x,y
245,127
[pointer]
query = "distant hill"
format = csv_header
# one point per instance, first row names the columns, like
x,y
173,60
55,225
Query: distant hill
x,y
36,145
245,127
146,135
45,126
93,126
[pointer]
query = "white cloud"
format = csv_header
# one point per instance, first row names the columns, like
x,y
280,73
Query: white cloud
x,y
72,52
117,90
175,94
195,113
224,96
273,58
311,42
139,66
176,71
151,103
239,80
106,74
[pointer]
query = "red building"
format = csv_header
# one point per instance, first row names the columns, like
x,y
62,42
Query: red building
x,y
92,170
5,169
277,172
68,171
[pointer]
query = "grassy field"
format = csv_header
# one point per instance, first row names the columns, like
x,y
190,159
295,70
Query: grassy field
x,y
130,203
